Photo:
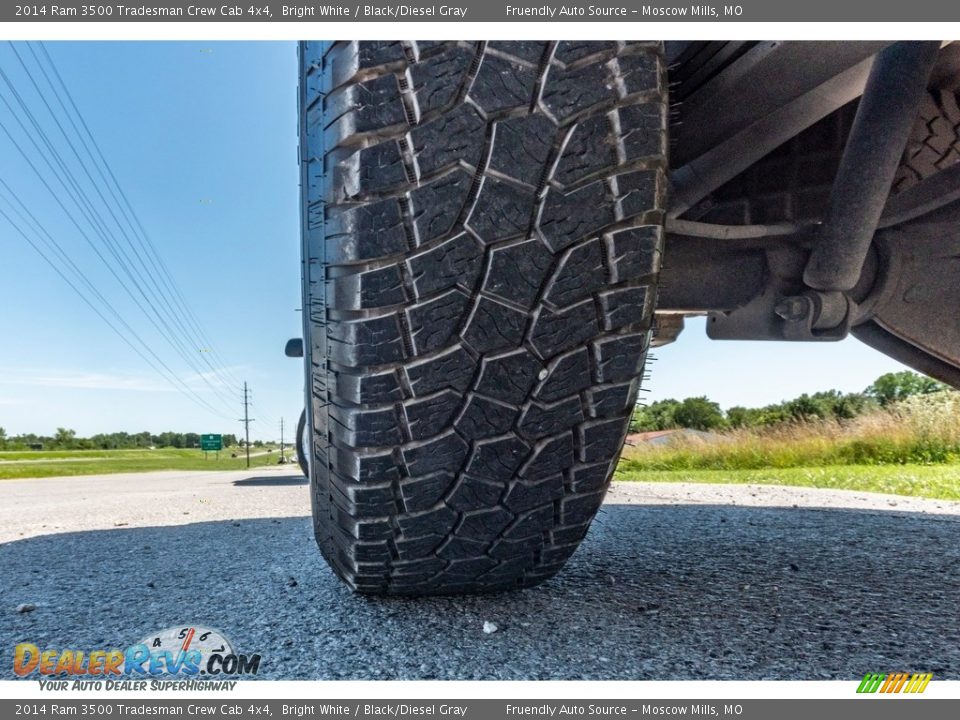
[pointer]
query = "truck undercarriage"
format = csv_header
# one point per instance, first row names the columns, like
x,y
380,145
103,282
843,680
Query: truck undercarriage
x,y
494,235
813,191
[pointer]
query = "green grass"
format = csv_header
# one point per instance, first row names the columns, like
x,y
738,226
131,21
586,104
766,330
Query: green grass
x,y
911,448
50,463
929,481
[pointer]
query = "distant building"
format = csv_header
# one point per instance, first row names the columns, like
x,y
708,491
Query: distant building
x,y
665,437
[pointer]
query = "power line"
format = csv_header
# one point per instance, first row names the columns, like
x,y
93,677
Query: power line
x,y
164,273
92,216
149,271
56,198
163,369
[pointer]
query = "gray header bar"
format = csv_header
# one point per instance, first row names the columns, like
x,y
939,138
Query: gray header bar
x,y
622,11
212,708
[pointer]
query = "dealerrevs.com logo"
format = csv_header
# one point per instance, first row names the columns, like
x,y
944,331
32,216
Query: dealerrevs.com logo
x,y
192,652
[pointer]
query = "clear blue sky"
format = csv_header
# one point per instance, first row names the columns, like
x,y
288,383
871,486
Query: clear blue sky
x,y
202,137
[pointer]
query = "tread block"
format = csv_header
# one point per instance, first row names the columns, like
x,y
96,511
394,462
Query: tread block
x,y
502,210
422,493
510,549
556,331
521,147
498,457
484,524
568,91
438,521
634,253
573,216
639,72
610,400
550,456
454,138
452,368
367,106
582,272
365,232
438,80
503,85
524,49
483,417
412,550
459,547
539,421
429,416
446,452
469,569
525,495
369,289
373,467
379,52
472,493
566,376
508,377
375,552
494,326
624,306
365,389
599,439
532,523
570,51
433,323
517,271
635,191
437,205
590,478
590,149
367,428
568,538
377,168
641,131
373,498
618,358
370,341
456,261
577,510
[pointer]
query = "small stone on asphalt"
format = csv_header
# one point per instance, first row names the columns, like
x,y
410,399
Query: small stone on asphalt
x,y
489,627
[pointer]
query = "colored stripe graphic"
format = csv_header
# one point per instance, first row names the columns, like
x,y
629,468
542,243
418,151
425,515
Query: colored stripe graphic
x,y
894,683
870,683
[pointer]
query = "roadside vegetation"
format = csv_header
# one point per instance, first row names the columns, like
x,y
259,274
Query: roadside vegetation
x,y
901,435
65,454
38,464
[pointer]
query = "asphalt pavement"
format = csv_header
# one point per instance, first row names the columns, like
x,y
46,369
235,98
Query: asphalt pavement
x,y
673,582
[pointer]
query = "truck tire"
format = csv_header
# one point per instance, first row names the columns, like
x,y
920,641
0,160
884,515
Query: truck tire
x,y
934,143
482,230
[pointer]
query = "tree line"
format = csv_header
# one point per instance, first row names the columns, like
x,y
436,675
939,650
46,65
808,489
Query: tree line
x,y
66,439
701,413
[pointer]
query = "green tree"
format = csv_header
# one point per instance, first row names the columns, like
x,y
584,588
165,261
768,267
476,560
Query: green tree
x,y
3,437
893,387
699,413
743,417
64,437
658,415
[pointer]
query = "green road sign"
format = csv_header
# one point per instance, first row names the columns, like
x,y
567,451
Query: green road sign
x,y
211,442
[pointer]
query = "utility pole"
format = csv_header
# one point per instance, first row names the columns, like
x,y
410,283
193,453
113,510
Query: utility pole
x,y
281,441
246,421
